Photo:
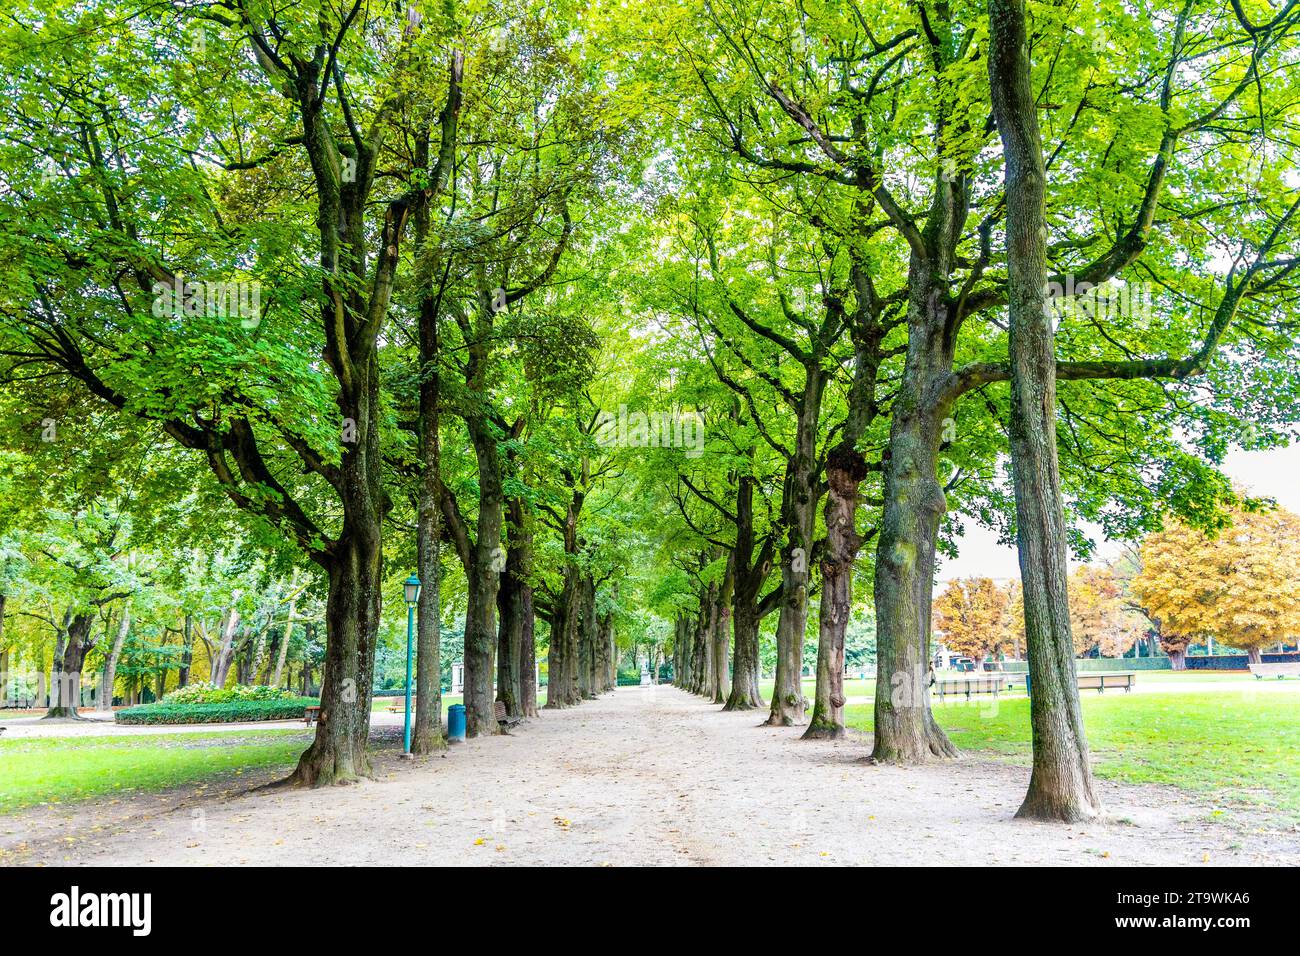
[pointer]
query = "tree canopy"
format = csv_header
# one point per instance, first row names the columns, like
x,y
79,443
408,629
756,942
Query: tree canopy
x,y
695,328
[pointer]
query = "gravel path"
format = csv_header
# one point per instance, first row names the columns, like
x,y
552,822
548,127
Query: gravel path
x,y
641,776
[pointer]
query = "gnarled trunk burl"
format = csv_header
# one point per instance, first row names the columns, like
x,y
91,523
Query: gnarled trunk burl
x,y
845,469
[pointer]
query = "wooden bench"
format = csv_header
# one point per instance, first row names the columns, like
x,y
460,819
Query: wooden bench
x,y
981,684
504,719
1279,670
397,705
311,714
1101,681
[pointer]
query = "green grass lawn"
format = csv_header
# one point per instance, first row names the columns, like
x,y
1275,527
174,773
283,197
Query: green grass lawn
x,y
1190,677
853,688
1234,749
39,770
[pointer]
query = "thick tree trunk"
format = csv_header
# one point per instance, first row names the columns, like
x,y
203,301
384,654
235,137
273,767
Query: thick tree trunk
x,y
845,469
426,734
751,572
480,643
114,654
527,653
1253,655
606,643
744,673
721,654
515,675
682,652
611,679
555,658
354,567
562,690
905,729
704,642
799,515
1060,784
487,560
65,696
720,688
510,627
586,638
352,607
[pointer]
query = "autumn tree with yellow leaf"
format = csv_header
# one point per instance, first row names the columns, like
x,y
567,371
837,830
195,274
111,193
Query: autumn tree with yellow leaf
x,y
1098,617
974,616
1240,587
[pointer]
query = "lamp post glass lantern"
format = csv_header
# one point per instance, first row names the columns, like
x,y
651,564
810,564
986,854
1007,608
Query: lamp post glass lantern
x,y
412,589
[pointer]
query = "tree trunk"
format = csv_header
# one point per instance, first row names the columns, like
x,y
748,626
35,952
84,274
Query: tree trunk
x,y
352,608
612,679
704,642
480,643
1253,655
720,689
354,599
114,654
487,560
562,690
283,652
799,516
187,655
744,672
66,693
683,674
751,572
845,470
606,643
510,608
1060,784
586,638
426,734
527,653
220,665
905,729
555,653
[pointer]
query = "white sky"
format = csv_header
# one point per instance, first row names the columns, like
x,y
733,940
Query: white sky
x,y
1274,473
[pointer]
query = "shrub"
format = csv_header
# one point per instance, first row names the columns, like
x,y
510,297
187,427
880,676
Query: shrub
x,y
201,692
233,711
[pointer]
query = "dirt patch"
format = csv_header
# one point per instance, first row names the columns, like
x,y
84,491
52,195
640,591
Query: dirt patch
x,y
648,776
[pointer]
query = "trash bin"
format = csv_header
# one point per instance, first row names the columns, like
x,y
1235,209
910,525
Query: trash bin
x,y
456,722
1026,683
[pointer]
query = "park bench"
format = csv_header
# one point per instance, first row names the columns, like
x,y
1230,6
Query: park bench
x,y
1279,670
397,705
504,719
311,714
982,684
1101,681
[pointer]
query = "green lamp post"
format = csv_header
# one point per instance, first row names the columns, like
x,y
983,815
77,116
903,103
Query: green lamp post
x,y
412,589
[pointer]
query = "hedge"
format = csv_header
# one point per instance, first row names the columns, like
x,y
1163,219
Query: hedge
x,y
1092,665
201,692
1233,662
232,712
